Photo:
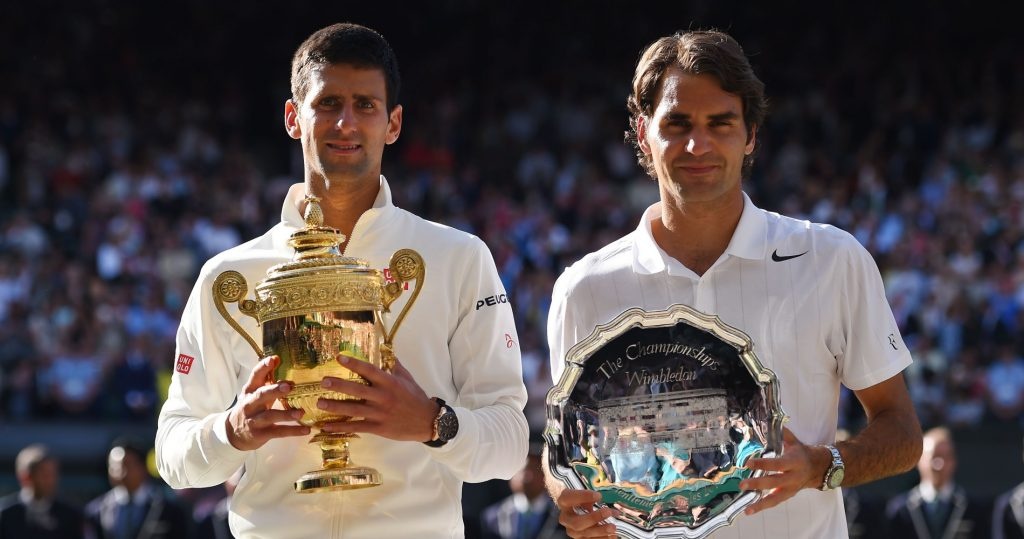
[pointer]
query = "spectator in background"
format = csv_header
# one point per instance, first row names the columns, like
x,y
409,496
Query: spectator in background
x,y
133,381
1005,383
35,512
214,525
937,508
529,512
1008,514
136,508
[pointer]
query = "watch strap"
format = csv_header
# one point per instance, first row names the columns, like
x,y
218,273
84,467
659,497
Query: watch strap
x,y
435,440
836,464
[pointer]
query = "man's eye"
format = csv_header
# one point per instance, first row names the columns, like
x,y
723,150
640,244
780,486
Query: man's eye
x,y
366,104
328,102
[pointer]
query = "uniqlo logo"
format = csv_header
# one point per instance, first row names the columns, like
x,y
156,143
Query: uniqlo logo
x,y
184,364
389,278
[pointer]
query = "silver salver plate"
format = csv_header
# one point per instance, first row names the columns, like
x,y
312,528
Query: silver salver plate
x,y
658,411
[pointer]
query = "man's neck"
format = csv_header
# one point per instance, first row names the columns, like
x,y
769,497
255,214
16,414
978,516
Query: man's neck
x,y
931,491
696,234
28,495
342,202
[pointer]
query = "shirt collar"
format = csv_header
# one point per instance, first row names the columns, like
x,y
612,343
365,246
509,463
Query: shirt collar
x,y
929,494
290,212
523,504
749,240
27,497
140,497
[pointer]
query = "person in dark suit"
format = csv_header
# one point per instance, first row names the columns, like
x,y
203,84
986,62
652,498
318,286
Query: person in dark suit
x,y
34,512
937,508
1008,514
528,513
136,508
214,525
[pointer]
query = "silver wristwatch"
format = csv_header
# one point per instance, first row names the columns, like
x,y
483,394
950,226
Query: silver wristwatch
x,y
836,471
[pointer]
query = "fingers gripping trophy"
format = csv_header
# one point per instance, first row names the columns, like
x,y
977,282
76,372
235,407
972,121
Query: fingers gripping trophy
x,y
312,309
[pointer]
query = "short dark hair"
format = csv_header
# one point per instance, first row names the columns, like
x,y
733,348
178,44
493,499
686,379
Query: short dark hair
x,y
132,446
696,52
345,43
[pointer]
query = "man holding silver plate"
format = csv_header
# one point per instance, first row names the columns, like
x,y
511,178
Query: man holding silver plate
x,y
698,360
370,327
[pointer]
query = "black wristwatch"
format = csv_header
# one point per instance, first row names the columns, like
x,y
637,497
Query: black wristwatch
x,y
446,425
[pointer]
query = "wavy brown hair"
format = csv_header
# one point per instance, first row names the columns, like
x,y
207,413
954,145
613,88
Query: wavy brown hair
x,y
699,52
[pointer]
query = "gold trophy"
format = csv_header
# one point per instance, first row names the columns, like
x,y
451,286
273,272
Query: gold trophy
x,y
312,309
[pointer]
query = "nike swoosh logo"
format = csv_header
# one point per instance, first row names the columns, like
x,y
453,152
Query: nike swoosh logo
x,y
777,258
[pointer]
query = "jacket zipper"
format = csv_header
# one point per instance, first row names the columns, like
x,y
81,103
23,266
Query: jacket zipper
x,y
359,221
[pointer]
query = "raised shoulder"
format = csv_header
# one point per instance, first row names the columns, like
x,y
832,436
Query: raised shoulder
x,y
828,244
437,235
257,252
615,257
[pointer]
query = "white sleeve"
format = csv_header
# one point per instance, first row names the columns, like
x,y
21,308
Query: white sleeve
x,y
192,448
487,371
871,349
561,336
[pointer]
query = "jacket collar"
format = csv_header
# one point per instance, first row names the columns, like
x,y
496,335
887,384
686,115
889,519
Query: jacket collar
x,y
290,212
383,205
749,240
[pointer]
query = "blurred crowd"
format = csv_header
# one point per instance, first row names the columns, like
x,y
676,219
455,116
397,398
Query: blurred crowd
x,y
115,191
129,155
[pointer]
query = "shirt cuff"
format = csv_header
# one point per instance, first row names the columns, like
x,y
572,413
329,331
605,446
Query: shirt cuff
x,y
216,440
467,431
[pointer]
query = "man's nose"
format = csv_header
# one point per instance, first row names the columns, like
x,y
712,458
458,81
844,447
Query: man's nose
x,y
698,143
346,119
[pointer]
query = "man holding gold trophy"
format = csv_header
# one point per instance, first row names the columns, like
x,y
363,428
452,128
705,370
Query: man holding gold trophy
x,y
807,300
367,327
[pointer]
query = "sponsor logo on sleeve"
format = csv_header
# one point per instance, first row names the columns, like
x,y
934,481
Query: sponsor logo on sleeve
x,y
184,363
892,341
509,342
389,278
491,301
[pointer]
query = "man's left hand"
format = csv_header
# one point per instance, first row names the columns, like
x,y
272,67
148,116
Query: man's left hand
x,y
800,466
393,406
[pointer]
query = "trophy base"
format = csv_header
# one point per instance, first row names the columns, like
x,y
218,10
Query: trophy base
x,y
338,479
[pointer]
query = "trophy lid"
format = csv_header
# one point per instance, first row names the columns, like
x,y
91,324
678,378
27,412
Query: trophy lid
x,y
316,245
318,277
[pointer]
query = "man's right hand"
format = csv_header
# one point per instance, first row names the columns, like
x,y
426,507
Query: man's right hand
x,y
252,421
579,516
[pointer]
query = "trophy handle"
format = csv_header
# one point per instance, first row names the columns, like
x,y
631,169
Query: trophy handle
x,y
231,287
405,266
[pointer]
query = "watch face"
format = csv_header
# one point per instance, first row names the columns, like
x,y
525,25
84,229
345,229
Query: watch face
x,y
836,478
447,425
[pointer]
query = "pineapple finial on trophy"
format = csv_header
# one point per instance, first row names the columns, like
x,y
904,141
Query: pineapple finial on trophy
x,y
315,240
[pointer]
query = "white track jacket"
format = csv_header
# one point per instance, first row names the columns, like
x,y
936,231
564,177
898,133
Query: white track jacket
x,y
458,341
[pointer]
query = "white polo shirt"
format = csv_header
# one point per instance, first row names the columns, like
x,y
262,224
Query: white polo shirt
x,y
809,296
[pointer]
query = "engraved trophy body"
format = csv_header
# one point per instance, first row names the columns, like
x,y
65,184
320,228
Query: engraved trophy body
x,y
312,309
658,412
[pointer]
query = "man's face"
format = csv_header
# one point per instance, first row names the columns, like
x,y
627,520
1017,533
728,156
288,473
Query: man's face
x,y
938,462
125,468
343,122
696,138
44,479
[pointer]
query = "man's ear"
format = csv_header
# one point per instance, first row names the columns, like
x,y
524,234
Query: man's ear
x,y
751,138
641,134
394,125
291,120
